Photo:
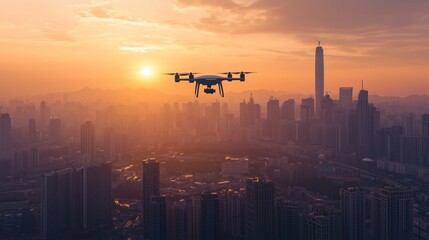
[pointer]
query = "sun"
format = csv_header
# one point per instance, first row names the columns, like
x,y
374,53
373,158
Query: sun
x,y
146,72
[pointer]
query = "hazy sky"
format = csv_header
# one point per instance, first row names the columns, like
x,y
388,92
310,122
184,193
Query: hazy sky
x,y
65,45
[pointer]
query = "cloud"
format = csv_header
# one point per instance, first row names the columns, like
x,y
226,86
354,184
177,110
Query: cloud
x,y
367,23
57,34
105,11
140,49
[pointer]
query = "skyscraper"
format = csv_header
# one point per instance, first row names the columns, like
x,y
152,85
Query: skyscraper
x,y
288,220
322,223
56,203
151,187
44,117
259,210
352,201
55,131
273,116
5,131
249,113
425,137
75,201
87,142
346,98
158,218
392,214
232,213
210,217
368,122
287,111
319,79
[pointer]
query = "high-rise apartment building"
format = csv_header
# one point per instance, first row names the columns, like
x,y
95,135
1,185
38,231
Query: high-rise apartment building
x,y
392,214
151,188
319,79
259,210
352,203
87,142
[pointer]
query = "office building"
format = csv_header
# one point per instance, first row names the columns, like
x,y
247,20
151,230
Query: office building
x,y
346,98
288,220
158,218
319,79
259,210
87,142
322,223
151,188
232,214
55,131
273,117
287,111
352,204
392,213
5,132
210,216
32,131
76,201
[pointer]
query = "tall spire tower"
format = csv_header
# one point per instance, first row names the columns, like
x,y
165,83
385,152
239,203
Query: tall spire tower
x,y
319,79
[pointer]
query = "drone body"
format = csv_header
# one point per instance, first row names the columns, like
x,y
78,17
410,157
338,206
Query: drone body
x,y
209,80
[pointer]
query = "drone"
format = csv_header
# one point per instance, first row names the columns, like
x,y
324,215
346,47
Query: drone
x,y
209,80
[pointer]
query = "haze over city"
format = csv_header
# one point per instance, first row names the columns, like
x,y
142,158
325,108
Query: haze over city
x,y
214,120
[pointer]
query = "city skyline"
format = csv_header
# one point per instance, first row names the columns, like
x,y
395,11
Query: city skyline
x,y
117,44
328,139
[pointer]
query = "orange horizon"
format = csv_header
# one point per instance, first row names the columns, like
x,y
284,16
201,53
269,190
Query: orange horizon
x,y
68,45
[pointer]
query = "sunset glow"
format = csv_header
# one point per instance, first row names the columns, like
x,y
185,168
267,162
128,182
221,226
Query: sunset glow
x,y
97,43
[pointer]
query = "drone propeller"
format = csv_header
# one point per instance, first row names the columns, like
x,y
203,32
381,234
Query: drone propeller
x,y
236,72
180,74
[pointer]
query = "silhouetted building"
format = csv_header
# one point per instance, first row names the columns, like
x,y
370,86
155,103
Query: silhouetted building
x,y
232,209
55,131
87,142
158,218
352,202
322,223
411,150
259,210
319,79
210,216
346,98
32,131
409,124
5,132
179,221
425,138
75,201
26,159
110,147
287,111
249,113
368,122
44,117
288,220
392,214
307,109
273,116
151,188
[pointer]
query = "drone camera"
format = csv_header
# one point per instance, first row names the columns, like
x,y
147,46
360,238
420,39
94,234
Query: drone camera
x,y
209,90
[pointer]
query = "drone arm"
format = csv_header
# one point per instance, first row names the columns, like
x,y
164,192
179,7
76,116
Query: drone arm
x,y
197,89
221,92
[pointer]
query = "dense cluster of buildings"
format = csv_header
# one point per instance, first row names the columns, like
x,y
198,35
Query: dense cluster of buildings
x,y
51,148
